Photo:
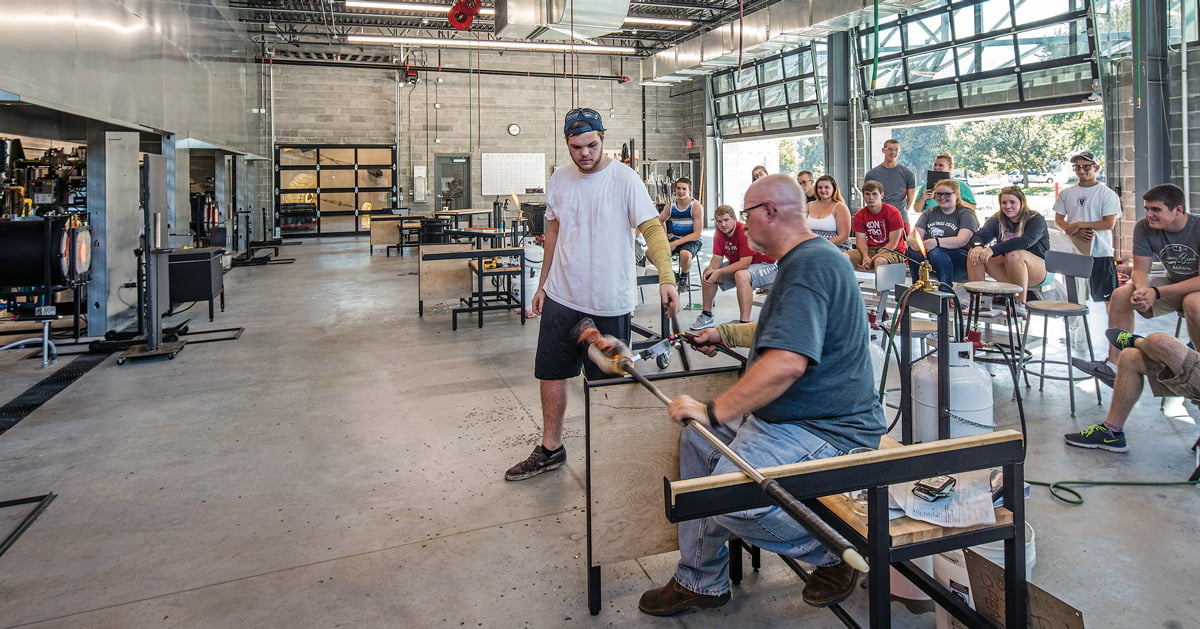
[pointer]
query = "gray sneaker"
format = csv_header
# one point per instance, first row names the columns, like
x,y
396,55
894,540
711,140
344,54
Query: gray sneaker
x,y
704,322
537,463
1096,368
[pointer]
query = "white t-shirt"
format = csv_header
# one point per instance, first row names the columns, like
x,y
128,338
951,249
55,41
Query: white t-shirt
x,y
1087,205
592,270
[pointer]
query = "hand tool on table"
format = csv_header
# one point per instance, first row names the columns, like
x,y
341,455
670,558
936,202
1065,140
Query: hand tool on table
x,y
612,356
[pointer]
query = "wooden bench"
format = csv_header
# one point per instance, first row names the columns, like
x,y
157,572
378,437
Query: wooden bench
x,y
821,482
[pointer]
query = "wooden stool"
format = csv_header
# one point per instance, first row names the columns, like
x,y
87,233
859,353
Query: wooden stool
x,y
1007,294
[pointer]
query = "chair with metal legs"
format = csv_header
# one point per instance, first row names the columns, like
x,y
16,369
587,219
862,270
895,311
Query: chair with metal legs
x,y
1070,266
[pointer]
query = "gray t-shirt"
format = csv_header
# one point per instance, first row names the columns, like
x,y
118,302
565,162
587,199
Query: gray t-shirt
x,y
1176,250
896,182
938,224
814,309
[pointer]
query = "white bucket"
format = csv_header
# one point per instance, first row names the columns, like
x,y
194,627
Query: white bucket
x,y
950,569
903,588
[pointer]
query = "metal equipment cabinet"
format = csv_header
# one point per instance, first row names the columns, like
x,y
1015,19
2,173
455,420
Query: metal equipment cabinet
x,y
196,275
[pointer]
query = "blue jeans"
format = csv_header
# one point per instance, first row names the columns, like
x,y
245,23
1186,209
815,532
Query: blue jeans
x,y
703,556
949,265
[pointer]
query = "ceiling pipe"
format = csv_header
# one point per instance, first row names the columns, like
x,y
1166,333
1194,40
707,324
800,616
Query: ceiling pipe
x,y
480,71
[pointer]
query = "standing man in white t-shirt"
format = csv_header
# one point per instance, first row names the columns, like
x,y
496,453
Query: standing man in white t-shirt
x,y
1088,212
588,271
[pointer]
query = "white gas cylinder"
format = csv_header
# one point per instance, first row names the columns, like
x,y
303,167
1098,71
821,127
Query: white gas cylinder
x,y
970,396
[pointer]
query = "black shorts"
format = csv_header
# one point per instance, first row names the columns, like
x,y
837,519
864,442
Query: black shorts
x,y
1104,278
693,246
558,356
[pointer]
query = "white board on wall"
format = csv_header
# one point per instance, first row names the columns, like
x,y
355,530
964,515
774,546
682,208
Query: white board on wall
x,y
514,173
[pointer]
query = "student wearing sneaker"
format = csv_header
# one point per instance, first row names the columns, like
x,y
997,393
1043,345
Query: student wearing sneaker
x,y
1011,246
828,215
880,226
1167,364
806,394
1087,212
945,231
587,271
734,265
684,220
1167,232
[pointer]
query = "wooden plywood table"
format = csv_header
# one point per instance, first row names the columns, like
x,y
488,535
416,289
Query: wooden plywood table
x,y
469,214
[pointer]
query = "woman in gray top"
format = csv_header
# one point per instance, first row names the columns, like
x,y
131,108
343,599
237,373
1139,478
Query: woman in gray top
x,y
943,233
1012,246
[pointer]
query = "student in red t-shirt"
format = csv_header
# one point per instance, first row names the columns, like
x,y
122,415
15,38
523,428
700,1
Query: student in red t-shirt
x,y
876,226
734,265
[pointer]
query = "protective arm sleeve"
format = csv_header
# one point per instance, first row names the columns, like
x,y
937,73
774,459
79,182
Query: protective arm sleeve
x,y
658,250
737,334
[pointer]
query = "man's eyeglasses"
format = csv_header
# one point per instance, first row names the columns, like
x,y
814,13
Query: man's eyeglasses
x,y
804,182
1084,167
746,212
943,194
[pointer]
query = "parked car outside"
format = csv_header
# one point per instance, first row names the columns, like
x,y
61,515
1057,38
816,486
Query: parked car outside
x,y
1034,176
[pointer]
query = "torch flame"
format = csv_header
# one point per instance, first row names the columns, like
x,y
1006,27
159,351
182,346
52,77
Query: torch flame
x,y
921,246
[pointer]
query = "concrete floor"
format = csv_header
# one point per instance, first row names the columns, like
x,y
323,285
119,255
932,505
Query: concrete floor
x,y
341,465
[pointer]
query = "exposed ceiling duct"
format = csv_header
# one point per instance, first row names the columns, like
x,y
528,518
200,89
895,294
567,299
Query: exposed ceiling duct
x,y
559,20
781,26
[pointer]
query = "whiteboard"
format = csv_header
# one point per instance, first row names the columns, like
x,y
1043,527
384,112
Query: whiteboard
x,y
514,173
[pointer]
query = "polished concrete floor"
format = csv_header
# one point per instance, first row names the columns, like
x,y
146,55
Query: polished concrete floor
x,y
341,466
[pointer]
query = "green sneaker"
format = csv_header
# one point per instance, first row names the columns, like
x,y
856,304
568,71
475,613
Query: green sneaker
x,y
1097,436
1121,339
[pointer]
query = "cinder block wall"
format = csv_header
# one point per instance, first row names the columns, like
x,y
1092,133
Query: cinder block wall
x,y
1175,122
457,113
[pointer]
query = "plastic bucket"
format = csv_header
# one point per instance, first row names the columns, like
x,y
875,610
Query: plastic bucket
x,y
903,588
950,569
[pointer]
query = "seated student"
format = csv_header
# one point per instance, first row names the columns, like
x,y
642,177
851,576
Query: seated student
x,y
828,215
876,226
943,163
758,172
1011,246
1168,232
734,265
946,232
683,220
1170,367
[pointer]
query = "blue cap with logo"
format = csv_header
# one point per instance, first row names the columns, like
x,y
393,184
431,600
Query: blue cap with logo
x,y
594,123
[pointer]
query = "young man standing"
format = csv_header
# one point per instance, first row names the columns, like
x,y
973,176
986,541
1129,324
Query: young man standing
x,y
684,220
944,163
881,225
1168,232
1087,212
587,271
899,183
734,264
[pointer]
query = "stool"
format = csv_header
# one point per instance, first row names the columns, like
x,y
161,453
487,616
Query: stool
x,y
1007,294
678,274
1064,310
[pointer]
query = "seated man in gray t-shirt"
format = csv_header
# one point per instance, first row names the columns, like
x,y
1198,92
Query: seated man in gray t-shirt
x,y
1168,232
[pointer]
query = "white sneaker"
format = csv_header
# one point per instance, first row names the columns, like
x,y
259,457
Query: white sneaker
x,y
703,322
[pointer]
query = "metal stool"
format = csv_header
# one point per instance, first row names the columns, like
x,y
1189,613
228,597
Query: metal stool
x,y
1064,310
1007,294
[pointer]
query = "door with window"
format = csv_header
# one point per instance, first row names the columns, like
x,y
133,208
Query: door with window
x,y
333,189
452,174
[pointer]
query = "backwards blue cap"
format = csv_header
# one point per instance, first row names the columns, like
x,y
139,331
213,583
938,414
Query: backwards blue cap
x,y
594,123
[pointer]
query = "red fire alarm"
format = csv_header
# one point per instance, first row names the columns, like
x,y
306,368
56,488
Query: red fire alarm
x,y
688,143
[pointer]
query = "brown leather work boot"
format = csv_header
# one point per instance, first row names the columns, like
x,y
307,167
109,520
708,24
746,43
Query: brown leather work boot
x,y
673,598
829,585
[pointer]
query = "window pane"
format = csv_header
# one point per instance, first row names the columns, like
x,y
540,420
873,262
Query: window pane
x,y
805,61
378,200
888,105
1053,42
379,157
930,66
750,123
725,105
991,54
770,71
374,177
337,178
941,98
723,82
728,126
773,96
1029,12
337,157
295,179
999,90
1055,82
965,22
927,31
791,65
805,117
297,157
748,101
775,120
891,74
794,92
336,202
746,77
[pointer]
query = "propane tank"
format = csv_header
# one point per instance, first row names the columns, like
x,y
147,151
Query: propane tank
x,y
533,271
878,356
970,396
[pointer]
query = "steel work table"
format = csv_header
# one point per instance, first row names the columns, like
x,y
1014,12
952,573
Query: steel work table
x,y
481,300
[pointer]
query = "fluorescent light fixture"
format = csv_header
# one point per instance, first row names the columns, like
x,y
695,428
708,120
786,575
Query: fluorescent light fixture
x,y
655,84
657,21
407,6
483,43
691,71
